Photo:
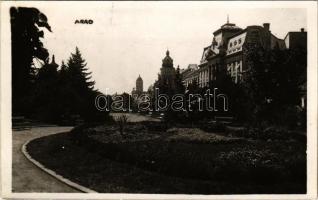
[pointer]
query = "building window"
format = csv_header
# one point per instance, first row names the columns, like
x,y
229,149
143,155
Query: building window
x,y
231,44
235,42
239,41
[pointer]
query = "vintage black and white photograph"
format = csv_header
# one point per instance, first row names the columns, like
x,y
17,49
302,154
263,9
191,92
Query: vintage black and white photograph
x,y
161,98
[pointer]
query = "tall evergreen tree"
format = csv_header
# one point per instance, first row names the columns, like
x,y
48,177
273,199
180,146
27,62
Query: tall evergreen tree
x,y
180,89
82,88
78,71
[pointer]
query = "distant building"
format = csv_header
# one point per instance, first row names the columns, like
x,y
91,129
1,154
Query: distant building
x,y
190,75
139,85
166,81
167,76
138,90
228,49
296,39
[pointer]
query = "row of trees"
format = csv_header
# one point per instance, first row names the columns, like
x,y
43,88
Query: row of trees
x,y
65,93
50,92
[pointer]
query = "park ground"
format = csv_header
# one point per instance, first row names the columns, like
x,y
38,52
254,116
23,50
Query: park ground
x,y
148,157
26,177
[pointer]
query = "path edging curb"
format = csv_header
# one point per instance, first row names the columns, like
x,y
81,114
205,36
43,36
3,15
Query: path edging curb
x,y
53,173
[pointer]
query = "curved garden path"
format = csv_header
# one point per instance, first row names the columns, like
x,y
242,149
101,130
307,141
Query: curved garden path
x,y
26,177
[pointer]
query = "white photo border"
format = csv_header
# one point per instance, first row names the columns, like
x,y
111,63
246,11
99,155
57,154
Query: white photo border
x,y
5,107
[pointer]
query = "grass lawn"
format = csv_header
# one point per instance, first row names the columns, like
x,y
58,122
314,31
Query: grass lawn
x,y
177,161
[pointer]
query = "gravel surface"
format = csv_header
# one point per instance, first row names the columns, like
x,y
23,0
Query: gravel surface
x,y
26,177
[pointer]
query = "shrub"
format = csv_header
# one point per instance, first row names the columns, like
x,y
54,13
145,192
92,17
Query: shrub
x,y
121,121
194,154
236,131
154,126
213,127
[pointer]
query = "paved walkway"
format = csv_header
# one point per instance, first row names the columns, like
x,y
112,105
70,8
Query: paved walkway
x,y
26,177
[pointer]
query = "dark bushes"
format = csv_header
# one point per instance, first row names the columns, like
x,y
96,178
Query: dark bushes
x,y
241,162
213,127
269,133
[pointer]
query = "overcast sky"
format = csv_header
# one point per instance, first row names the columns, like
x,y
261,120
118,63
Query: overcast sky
x,y
131,38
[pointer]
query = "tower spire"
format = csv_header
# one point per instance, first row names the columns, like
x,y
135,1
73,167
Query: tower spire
x,y
228,20
53,61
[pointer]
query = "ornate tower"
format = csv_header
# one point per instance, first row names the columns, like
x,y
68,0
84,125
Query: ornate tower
x,y
168,72
53,62
139,85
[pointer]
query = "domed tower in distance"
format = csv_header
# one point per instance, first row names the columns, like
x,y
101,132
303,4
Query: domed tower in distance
x,y
139,85
168,72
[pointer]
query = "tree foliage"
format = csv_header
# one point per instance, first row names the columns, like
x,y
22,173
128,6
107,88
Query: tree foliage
x,y
45,92
66,94
274,83
26,24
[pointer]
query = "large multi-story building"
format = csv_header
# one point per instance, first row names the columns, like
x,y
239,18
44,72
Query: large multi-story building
x,y
228,49
237,47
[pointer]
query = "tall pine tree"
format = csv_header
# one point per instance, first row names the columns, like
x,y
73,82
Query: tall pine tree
x,y
78,71
83,92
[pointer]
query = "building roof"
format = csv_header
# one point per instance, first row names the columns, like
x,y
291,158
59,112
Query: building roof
x,y
207,53
302,31
192,66
235,43
139,78
274,41
227,27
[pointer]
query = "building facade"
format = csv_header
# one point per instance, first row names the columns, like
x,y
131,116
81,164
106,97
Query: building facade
x,y
296,39
190,75
139,85
138,90
228,49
